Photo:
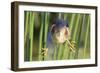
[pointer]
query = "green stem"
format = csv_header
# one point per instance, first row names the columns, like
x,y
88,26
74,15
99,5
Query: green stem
x,y
82,18
31,33
75,32
46,28
86,37
41,35
59,52
45,32
76,26
65,51
72,23
26,36
26,25
55,52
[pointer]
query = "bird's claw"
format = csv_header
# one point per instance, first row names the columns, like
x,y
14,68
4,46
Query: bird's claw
x,y
44,51
72,45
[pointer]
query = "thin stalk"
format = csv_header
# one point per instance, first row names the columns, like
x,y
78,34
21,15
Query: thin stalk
x,y
41,35
59,51
82,18
25,47
31,33
65,51
72,22
55,52
76,27
46,28
26,36
45,31
75,33
86,37
26,25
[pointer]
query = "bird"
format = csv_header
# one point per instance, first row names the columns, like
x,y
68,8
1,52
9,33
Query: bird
x,y
58,33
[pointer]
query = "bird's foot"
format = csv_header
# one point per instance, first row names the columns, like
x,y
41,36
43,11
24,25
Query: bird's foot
x,y
44,51
72,45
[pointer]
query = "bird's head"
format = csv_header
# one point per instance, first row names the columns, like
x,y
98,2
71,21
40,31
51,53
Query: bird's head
x,y
60,30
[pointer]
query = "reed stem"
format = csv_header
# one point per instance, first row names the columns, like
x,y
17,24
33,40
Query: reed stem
x,y
31,33
86,37
41,36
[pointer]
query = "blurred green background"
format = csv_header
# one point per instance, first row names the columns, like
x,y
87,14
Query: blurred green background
x,y
36,26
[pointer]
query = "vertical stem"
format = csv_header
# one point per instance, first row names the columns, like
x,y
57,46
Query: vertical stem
x,y
31,33
72,21
82,18
46,28
63,51
41,35
26,36
45,31
59,51
55,52
26,25
86,37
76,27
75,33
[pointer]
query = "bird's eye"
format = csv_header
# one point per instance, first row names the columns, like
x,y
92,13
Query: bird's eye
x,y
58,34
66,32
57,31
